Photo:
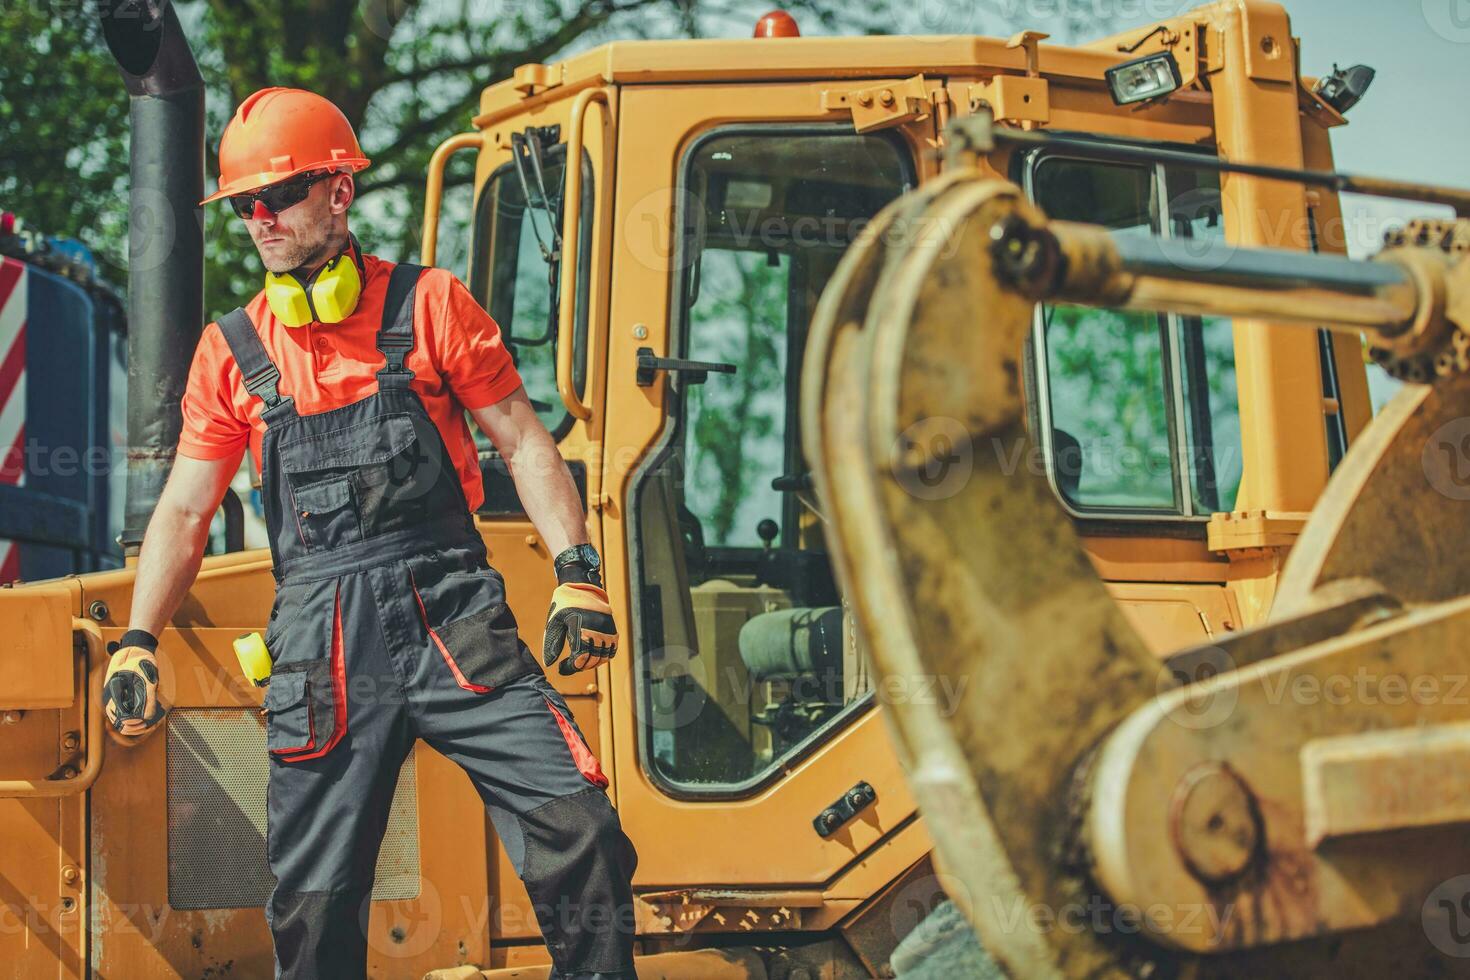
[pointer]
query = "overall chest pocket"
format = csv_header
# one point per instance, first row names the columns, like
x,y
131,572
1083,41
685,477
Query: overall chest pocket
x,y
359,480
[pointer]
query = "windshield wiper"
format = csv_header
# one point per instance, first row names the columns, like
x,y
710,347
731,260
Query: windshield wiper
x,y
527,146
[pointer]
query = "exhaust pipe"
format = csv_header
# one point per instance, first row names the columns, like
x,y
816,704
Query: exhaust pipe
x,y
165,239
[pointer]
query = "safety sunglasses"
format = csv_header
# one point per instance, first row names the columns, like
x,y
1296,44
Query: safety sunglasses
x,y
279,196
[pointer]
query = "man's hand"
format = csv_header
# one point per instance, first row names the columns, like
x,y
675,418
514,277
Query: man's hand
x,y
580,618
130,689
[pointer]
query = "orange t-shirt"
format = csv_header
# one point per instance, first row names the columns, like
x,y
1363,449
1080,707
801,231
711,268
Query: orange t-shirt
x,y
459,361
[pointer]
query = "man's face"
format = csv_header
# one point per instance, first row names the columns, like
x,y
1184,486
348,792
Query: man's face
x,y
301,234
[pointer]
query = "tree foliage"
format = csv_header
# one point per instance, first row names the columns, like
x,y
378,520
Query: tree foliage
x,y
408,74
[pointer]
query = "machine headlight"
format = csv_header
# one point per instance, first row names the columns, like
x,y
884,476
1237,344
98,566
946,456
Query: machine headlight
x,y
1150,77
1345,86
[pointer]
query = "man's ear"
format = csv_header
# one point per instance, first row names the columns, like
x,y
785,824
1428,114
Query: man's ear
x,y
343,191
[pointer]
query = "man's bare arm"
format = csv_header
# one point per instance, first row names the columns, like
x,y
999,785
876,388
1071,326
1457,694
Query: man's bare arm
x,y
173,545
545,485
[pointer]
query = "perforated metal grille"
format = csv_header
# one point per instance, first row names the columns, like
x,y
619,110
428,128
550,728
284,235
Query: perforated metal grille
x,y
217,772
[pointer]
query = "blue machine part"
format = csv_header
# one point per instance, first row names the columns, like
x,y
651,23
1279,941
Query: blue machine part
x,y
65,514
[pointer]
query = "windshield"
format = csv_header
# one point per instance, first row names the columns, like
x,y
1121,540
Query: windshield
x,y
514,281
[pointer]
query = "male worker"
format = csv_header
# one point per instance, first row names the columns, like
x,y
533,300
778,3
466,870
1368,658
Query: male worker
x,y
349,377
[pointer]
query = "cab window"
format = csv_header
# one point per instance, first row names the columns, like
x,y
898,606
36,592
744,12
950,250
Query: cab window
x,y
1138,410
517,270
745,656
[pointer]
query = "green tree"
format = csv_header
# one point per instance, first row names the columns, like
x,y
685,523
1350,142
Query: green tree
x,y
63,128
408,73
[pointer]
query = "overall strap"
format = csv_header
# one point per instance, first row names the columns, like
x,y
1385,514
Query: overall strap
x,y
259,373
395,335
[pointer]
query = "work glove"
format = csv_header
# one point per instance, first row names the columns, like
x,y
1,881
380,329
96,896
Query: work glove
x,y
130,689
580,618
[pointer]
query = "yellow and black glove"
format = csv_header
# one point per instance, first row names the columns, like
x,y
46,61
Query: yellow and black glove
x,y
581,619
130,689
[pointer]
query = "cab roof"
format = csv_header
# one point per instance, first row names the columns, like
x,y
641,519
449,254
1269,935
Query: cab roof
x,y
782,59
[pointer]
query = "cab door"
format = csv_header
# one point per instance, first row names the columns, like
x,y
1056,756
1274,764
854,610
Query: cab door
x,y
742,700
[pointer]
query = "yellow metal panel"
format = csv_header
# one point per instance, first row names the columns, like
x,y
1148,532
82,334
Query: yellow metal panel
x,y
1169,617
748,60
36,652
1283,437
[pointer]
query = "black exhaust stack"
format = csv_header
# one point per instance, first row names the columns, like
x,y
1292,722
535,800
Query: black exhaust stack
x,y
165,240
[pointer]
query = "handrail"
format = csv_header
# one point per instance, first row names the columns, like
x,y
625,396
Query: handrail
x,y
571,222
95,668
434,190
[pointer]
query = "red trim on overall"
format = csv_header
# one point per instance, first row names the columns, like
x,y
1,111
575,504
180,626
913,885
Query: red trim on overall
x,y
586,762
459,677
339,685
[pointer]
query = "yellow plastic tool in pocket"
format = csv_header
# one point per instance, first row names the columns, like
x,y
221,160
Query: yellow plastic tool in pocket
x,y
255,659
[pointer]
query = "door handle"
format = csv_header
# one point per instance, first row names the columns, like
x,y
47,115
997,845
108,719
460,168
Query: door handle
x,y
697,371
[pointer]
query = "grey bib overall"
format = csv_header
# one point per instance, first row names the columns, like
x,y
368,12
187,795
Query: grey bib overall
x,y
390,625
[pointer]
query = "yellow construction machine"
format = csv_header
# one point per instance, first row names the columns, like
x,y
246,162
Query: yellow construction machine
x,y
805,312
1287,799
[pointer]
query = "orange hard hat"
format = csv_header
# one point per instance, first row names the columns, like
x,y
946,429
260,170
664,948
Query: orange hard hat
x,y
281,132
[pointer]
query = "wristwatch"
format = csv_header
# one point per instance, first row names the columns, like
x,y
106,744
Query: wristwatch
x,y
583,555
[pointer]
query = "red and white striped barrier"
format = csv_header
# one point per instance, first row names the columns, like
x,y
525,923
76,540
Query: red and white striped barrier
x,y
12,394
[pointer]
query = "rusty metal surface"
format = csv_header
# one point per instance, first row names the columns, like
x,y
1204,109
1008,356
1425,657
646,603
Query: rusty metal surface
x,y
1378,782
1243,854
1194,835
915,352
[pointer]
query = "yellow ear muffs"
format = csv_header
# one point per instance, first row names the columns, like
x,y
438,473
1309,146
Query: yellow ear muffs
x,y
328,296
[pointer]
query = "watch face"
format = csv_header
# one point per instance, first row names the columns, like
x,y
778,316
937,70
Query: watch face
x,y
590,556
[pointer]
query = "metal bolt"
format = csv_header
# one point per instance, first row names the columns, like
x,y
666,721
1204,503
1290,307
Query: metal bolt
x,y
70,874
640,332
1268,44
1216,825
12,717
98,610
531,540
71,741
67,772
865,99
886,97
68,904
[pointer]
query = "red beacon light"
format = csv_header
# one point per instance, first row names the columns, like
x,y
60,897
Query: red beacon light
x,y
777,23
